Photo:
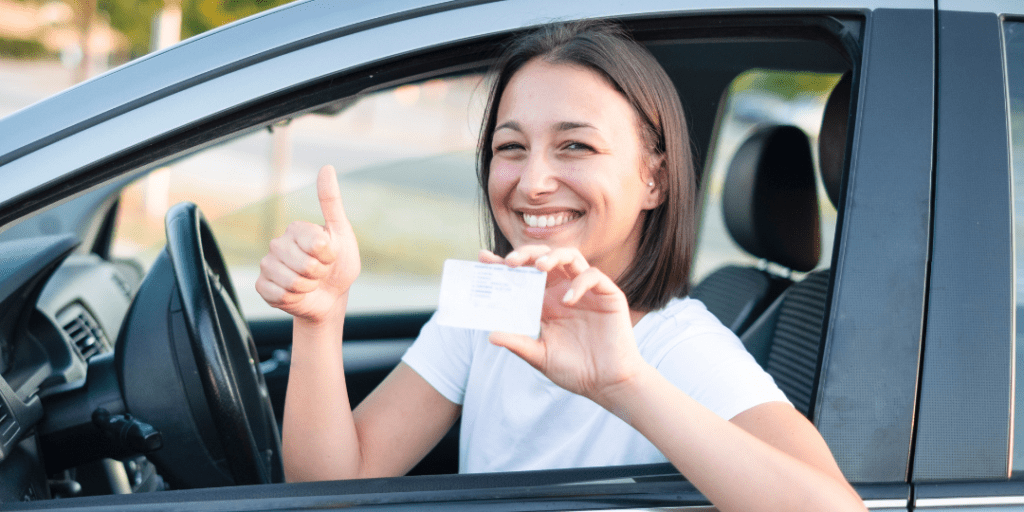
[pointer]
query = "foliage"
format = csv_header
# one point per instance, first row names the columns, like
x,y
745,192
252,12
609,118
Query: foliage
x,y
202,15
787,85
134,17
22,49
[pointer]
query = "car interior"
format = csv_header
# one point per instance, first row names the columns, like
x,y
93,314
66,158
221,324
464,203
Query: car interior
x,y
105,389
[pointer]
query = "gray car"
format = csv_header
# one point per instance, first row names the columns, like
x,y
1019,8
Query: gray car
x,y
858,232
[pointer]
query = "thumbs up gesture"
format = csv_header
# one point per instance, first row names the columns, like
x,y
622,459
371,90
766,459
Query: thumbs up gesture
x,y
309,269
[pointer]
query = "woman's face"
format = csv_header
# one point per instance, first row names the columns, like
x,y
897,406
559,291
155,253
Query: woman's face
x,y
569,169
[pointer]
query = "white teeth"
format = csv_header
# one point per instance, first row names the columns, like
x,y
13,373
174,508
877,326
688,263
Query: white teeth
x,y
547,221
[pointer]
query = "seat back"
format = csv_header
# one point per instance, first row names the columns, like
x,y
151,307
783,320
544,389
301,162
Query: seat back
x,y
771,211
787,339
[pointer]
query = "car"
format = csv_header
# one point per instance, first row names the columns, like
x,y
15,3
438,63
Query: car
x,y
859,236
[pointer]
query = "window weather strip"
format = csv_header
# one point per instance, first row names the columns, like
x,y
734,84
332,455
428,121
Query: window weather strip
x,y
978,501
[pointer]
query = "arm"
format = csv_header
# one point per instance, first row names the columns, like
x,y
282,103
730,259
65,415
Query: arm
x,y
307,274
767,458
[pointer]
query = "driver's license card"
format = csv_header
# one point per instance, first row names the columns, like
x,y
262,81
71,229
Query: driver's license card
x,y
491,297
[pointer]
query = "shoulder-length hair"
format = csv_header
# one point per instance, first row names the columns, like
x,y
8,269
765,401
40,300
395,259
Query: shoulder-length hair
x,y
661,268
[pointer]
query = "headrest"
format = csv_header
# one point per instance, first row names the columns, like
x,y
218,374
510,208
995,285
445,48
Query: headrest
x,y
832,137
770,201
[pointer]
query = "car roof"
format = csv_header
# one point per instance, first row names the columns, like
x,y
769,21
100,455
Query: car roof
x,y
200,58
44,145
245,42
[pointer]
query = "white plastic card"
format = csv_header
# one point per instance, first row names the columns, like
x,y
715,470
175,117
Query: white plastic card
x,y
491,297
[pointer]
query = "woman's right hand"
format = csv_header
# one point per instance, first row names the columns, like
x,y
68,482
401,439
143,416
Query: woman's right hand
x,y
309,269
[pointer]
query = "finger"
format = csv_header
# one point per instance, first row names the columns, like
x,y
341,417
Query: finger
x,y
486,256
329,193
526,255
273,294
313,240
288,252
278,273
527,348
567,259
591,280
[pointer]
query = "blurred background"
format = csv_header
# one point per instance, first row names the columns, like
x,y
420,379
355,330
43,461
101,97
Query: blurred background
x,y
405,154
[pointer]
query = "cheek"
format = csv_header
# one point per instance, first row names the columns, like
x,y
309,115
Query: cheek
x,y
502,180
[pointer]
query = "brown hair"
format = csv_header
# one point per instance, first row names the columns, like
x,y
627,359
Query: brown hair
x,y
661,268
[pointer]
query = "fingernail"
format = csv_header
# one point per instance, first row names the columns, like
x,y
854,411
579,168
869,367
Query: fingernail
x,y
568,296
511,255
542,258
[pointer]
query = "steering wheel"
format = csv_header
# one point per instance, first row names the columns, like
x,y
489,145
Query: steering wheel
x,y
225,354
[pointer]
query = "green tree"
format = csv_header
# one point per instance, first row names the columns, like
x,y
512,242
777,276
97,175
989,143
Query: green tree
x,y
202,15
134,18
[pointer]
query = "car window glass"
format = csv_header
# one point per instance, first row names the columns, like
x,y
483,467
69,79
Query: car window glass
x,y
405,159
758,98
1014,55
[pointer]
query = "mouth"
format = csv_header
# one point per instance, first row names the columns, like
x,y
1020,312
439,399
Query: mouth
x,y
550,220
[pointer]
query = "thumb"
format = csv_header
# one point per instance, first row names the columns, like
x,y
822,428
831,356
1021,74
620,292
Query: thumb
x,y
528,349
330,199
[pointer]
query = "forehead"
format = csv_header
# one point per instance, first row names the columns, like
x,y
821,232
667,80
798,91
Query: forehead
x,y
543,91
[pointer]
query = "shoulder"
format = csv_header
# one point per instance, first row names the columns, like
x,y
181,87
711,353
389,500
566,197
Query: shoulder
x,y
685,329
444,357
433,332
682,318
689,346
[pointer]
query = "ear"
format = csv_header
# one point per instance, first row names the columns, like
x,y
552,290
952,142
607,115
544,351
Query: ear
x,y
657,175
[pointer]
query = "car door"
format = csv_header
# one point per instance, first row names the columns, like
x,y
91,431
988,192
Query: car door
x,y
872,340
967,448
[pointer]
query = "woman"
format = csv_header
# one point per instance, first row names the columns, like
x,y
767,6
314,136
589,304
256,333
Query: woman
x,y
584,167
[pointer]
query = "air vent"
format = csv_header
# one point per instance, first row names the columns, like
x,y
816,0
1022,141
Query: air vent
x,y
84,332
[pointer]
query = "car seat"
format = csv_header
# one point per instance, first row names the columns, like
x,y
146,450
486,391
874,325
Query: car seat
x,y
770,207
788,336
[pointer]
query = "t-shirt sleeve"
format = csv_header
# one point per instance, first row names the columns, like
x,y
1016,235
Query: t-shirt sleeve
x,y
442,356
711,365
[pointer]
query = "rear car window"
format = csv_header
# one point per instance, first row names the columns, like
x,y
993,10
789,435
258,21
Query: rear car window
x,y
1014,55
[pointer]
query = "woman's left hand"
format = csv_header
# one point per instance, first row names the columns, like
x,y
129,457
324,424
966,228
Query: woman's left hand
x,y
586,342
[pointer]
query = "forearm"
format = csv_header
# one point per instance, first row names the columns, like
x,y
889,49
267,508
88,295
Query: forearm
x,y
319,439
734,469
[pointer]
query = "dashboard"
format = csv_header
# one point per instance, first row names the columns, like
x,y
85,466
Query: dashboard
x,y
60,315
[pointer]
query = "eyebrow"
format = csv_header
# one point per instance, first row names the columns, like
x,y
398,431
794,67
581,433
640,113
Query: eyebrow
x,y
563,126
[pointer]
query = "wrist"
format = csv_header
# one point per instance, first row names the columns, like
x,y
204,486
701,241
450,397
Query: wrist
x,y
332,319
623,398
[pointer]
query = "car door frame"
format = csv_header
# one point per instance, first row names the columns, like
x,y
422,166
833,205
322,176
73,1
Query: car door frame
x,y
963,448
880,170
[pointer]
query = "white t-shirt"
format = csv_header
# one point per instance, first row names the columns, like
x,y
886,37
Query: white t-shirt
x,y
514,418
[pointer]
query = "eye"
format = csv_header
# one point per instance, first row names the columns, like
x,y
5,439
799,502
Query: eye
x,y
508,146
577,146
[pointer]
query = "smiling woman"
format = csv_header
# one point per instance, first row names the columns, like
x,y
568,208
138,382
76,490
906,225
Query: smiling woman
x,y
560,181
572,164
852,343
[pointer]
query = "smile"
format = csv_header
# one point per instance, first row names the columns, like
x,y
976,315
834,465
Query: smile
x,y
550,221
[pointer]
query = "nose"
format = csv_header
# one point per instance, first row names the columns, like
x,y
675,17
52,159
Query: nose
x,y
538,178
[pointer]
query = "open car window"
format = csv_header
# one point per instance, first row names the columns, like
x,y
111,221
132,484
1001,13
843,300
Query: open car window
x,y
405,160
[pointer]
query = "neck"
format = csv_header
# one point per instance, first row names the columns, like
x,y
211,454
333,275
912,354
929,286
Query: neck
x,y
635,316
